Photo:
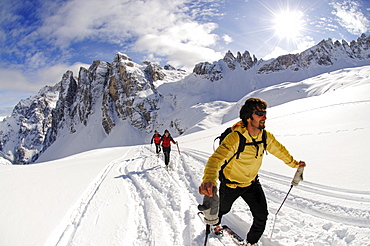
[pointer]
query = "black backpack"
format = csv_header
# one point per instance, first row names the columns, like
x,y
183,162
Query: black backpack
x,y
242,144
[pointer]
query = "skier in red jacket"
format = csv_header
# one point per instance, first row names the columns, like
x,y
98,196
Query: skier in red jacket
x,y
157,141
166,146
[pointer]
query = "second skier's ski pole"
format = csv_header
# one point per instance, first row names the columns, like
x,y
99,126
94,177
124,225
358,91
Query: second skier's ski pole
x,y
177,144
297,177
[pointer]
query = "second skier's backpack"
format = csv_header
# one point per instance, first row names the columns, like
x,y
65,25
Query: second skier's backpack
x,y
242,144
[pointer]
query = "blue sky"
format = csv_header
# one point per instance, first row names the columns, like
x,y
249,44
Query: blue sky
x,y
42,39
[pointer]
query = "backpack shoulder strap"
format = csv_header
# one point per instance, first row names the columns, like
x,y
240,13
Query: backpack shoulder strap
x,y
256,143
223,135
242,141
264,141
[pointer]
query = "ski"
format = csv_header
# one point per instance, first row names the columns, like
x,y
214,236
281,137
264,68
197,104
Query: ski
x,y
226,235
234,236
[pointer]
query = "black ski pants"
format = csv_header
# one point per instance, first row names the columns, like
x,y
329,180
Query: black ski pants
x,y
166,152
157,148
254,196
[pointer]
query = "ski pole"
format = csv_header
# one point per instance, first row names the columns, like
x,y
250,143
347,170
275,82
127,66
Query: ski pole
x,y
298,176
178,149
208,230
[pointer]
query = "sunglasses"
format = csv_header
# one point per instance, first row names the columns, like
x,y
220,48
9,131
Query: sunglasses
x,y
260,113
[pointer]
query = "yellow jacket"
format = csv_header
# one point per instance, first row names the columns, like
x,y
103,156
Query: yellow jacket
x,y
245,169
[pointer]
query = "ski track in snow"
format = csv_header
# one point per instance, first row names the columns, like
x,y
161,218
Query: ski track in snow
x,y
78,211
156,201
313,199
160,206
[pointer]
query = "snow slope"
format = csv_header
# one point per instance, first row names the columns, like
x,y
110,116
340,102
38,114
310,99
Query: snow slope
x,y
124,195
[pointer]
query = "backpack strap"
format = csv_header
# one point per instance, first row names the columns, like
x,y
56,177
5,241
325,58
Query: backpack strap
x,y
264,140
221,137
256,143
242,143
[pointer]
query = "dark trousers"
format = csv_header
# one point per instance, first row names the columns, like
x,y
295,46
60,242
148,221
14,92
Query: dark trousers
x,y
157,148
254,196
166,152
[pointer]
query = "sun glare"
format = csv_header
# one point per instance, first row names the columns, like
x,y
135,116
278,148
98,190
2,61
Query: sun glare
x,y
288,24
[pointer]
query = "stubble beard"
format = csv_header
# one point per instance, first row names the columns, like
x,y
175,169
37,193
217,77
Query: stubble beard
x,y
261,126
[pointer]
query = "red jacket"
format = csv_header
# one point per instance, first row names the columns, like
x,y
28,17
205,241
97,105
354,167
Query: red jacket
x,y
156,138
166,141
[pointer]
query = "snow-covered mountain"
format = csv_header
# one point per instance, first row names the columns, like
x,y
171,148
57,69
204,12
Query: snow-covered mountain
x,y
320,58
129,100
124,195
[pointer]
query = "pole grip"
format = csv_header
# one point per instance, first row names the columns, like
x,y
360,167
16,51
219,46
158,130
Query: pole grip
x,y
298,176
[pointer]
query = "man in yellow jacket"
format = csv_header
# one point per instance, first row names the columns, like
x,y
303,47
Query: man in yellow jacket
x,y
240,176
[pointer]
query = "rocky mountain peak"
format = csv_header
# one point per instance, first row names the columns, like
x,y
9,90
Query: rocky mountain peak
x,y
214,71
113,90
246,61
154,72
325,53
124,92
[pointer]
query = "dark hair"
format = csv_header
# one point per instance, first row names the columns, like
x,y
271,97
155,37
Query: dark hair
x,y
251,105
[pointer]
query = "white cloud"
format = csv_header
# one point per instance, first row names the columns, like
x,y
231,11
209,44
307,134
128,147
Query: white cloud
x,y
277,51
16,84
183,45
227,39
191,56
301,44
52,75
111,21
13,79
304,43
124,22
8,99
350,17
153,58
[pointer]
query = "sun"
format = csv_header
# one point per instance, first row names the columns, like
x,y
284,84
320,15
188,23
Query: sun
x,y
288,24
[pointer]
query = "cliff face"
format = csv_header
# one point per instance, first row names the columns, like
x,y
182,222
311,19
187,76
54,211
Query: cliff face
x,y
122,95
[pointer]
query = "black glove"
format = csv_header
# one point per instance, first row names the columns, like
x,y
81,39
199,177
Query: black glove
x,y
210,208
